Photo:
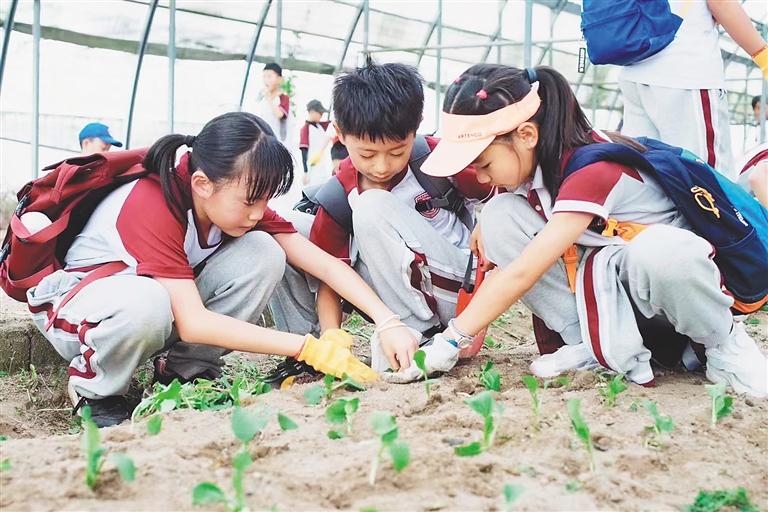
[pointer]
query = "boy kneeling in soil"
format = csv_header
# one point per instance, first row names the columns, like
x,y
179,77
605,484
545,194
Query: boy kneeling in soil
x,y
202,255
411,248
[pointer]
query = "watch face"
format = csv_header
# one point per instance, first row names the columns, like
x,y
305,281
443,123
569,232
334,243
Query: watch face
x,y
464,342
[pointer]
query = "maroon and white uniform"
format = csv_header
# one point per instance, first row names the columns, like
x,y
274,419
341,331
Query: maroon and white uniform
x,y
414,260
113,324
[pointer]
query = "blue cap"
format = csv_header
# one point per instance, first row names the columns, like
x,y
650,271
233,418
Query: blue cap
x,y
99,131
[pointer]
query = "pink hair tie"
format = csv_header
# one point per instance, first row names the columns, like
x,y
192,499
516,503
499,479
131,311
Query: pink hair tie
x,y
458,80
482,94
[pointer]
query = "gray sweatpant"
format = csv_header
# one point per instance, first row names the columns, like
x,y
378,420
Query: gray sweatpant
x,y
114,324
413,269
664,272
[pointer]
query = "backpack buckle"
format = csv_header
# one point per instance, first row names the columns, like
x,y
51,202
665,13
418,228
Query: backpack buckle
x,y
5,252
23,202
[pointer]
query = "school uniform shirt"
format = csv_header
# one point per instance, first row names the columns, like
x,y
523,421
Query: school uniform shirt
x,y
265,111
692,60
748,163
133,224
314,137
605,190
334,239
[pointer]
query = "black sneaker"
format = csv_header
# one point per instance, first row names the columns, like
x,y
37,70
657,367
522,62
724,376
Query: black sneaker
x,y
165,376
289,368
105,412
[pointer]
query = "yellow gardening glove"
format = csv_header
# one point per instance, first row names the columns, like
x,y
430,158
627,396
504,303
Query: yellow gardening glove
x,y
761,59
332,358
338,337
316,158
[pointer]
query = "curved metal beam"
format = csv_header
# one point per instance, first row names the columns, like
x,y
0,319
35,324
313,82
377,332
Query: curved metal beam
x,y
497,33
252,52
350,34
8,28
430,31
142,50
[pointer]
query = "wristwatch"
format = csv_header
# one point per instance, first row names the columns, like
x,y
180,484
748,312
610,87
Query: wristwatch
x,y
458,339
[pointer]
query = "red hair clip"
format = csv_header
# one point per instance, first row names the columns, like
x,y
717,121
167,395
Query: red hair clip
x,y
482,94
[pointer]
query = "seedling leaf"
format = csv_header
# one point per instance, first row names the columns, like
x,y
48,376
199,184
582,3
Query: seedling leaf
x,y
206,493
285,422
419,358
581,428
154,425
469,450
124,465
401,456
314,395
5,465
616,386
714,501
335,434
722,405
511,494
247,423
490,378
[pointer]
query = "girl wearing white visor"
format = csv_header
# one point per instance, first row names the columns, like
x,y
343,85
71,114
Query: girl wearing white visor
x,y
519,128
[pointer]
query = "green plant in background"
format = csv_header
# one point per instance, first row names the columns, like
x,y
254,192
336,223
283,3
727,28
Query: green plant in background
x,y
581,429
245,425
722,404
201,395
511,494
558,382
154,424
316,394
285,422
714,501
419,358
491,343
615,386
490,378
95,454
341,412
532,384
485,405
5,465
385,426
661,424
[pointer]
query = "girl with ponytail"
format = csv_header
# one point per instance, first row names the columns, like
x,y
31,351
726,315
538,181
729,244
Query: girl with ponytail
x,y
599,256
199,254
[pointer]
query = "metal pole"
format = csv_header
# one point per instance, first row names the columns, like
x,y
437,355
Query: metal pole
x,y
594,94
366,25
502,6
279,32
142,50
171,63
252,53
7,29
438,70
36,88
528,46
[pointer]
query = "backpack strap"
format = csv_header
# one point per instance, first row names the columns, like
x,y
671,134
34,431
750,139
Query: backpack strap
x,y
442,192
333,198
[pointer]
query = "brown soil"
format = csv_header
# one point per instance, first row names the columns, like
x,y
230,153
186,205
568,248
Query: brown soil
x,y
304,470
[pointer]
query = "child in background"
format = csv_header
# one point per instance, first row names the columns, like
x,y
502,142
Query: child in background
x,y
314,138
203,253
519,129
274,106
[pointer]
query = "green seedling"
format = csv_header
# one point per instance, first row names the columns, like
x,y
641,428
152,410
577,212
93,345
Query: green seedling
x,y
5,465
154,424
201,395
581,429
533,388
341,412
491,343
95,454
485,405
316,394
558,382
572,486
511,494
661,424
714,501
385,426
615,386
419,357
722,404
245,425
490,378
285,422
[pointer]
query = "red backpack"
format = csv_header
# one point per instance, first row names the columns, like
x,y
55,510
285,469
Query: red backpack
x,y
67,195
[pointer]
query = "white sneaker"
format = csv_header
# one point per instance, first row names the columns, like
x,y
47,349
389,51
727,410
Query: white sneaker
x,y
567,357
738,362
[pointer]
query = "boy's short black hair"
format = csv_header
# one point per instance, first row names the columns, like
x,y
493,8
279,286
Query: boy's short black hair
x,y
755,101
274,66
380,102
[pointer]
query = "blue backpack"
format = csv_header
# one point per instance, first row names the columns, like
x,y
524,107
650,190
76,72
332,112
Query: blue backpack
x,y
717,209
627,31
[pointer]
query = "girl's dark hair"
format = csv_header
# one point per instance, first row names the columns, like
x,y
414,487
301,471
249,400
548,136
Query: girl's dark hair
x,y
562,123
236,145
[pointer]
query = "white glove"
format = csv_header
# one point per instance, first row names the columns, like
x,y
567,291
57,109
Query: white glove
x,y
441,356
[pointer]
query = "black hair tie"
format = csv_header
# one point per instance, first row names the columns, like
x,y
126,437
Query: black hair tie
x,y
189,140
532,75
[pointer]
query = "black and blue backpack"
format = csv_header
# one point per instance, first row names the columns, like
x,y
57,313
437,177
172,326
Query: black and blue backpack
x,y
627,31
717,209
